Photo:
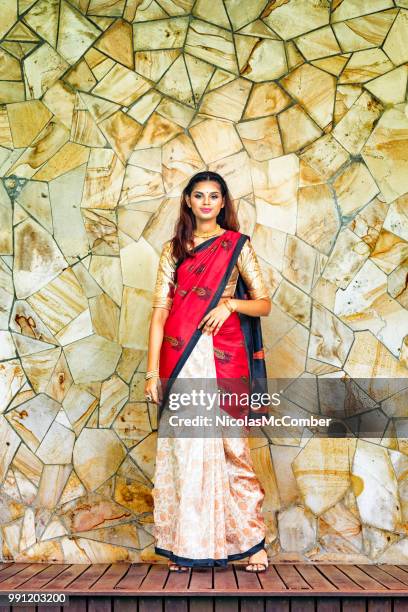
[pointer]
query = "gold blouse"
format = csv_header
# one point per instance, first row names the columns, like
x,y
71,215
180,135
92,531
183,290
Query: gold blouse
x,y
247,265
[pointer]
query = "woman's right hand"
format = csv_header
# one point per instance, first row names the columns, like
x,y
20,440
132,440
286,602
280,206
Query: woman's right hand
x,y
153,388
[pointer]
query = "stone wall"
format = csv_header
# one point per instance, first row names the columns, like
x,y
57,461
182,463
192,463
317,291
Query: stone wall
x,y
107,107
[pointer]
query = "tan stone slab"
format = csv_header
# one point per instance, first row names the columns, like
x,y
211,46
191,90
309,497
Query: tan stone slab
x,y
227,101
160,34
319,43
275,188
144,454
266,62
175,112
315,90
9,67
354,8
391,87
355,127
325,156
43,19
293,301
317,222
346,95
347,257
99,63
396,46
330,339
297,129
61,100
75,33
122,132
385,153
211,44
111,8
365,65
334,64
41,69
354,188
80,76
266,99
269,244
299,263
176,84
215,139
145,106
236,171
309,16
390,251
157,131
135,314
117,43
261,138
287,358
121,85
213,11
364,32
69,157
152,64
103,180
325,461
180,161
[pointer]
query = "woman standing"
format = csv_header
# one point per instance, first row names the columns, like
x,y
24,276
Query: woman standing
x,y
207,498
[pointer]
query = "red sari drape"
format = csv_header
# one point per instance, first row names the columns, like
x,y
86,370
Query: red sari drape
x,y
200,283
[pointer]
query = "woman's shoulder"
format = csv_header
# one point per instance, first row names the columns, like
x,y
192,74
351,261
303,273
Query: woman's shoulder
x,y
167,251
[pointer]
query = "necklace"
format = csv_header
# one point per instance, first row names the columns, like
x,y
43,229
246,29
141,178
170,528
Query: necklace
x,y
208,234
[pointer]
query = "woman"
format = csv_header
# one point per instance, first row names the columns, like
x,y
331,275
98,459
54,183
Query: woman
x,y
207,498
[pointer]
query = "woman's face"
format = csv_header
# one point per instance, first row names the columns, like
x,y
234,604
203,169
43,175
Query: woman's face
x,y
206,200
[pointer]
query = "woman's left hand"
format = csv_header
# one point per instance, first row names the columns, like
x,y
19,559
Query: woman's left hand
x,y
214,319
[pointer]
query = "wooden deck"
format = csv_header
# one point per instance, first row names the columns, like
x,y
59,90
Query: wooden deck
x,y
285,587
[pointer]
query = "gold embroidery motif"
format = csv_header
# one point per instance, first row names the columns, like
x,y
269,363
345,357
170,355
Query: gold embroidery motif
x,y
202,292
176,342
222,355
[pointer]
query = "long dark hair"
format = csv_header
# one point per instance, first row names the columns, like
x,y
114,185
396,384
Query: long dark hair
x,y
186,223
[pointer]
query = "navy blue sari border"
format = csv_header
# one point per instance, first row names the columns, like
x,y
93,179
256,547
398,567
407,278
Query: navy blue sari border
x,y
187,561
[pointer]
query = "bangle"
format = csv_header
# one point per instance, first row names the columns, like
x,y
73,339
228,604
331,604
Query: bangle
x,y
151,374
230,305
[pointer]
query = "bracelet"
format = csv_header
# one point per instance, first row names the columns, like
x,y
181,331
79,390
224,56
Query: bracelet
x,y
229,305
151,374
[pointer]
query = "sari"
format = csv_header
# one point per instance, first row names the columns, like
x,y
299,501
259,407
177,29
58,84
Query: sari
x,y
207,497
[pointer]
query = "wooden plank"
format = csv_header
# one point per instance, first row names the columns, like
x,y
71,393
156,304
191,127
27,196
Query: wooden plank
x,y
99,604
201,580
155,579
4,565
123,604
362,579
328,604
76,604
224,579
84,582
302,604
378,574
23,576
176,604
150,604
132,580
63,580
177,581
400,604
48,608
201,604
379,604
226,604
110,578
41,578
313,577
291,577
251,604
277,604
271,581
12,569
397,572
247,581
354,604
340,580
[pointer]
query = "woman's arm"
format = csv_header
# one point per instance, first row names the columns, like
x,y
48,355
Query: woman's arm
x,y
255,308
152,386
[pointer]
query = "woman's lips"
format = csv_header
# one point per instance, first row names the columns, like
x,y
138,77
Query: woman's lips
x,y
205,210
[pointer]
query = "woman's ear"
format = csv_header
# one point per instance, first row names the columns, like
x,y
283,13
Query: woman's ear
x,y
188,201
